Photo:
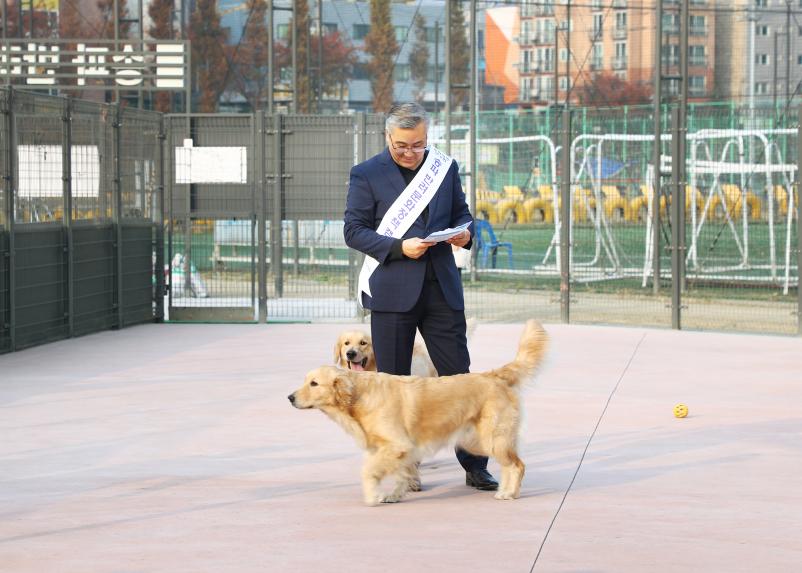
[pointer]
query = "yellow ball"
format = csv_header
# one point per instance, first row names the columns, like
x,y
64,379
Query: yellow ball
x,y
680,410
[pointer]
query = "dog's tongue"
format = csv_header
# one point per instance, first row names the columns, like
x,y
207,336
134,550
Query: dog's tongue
x,y
356,366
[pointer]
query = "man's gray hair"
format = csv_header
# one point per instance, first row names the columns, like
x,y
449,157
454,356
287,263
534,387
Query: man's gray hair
x,y
406,116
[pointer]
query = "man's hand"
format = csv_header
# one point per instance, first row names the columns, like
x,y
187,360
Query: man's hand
x,y
460,240
415,247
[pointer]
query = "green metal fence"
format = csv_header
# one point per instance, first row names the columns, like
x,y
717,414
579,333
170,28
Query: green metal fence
x,y
81,218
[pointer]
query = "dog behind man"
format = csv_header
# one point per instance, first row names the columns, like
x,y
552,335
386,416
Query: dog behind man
x,y
398,419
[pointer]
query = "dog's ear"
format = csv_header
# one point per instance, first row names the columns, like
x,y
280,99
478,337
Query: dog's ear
x,y
343,392
337,357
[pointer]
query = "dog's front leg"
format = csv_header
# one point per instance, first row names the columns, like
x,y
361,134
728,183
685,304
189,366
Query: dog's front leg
x,y
379,464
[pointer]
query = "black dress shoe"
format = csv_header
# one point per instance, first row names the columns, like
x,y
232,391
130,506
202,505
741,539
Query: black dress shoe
x,y
481,479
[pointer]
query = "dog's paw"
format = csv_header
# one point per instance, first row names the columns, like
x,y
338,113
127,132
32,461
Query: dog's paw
x,y
391,498
373,501
414,485
505,495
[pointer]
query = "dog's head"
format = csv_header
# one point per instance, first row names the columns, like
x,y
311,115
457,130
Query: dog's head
x,y
324,388
354,351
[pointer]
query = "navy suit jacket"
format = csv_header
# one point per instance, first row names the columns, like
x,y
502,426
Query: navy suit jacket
x,y
396,285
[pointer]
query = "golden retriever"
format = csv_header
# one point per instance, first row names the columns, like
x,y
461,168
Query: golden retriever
x,y
354,351
398,419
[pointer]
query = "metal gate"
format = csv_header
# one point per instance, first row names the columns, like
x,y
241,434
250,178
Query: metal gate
x,y
254,213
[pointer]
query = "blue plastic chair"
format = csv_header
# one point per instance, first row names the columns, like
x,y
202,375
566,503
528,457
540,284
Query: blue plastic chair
x,y
487,243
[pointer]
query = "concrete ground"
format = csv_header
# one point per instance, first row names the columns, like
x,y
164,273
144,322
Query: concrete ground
x,y
173,448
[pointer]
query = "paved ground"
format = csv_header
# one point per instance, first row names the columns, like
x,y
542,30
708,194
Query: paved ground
x,y
173,448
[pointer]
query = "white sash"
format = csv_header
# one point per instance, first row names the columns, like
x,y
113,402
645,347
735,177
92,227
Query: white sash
x,y
407,207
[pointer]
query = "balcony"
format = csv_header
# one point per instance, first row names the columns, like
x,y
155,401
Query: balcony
x,y
620,63
669,61
696,91
596,64
528,39
697,60
619,33
596,34
698,30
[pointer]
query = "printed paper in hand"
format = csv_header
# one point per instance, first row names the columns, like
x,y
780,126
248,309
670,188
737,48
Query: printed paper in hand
x,y
446,234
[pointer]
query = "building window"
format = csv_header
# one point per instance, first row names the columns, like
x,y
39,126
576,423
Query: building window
x,y
400,33
696,56
401,72
329,28
563,83
282,31
598,24
563,55
761,88
621,20
696,84
762,59
761,3
762,30
799,59
360,31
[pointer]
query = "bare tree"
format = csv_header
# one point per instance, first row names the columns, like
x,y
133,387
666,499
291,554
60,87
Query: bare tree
x,y
161,28
419,58
381,45
208,40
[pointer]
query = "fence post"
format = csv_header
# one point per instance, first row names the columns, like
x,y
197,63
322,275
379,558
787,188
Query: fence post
x,y
10,216
260,196
169,142
798,229
66,182
276,251
354,258
565,218
677,219
118,218
159,249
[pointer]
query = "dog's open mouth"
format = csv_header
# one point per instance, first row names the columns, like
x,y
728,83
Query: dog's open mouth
x,y
357,365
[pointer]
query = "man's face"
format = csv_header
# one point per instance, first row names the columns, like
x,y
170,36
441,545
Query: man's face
x,y
406,145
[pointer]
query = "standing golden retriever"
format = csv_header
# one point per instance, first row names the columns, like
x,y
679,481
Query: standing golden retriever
x,y
354,351
397,419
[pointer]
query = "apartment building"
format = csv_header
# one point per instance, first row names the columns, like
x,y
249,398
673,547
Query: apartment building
x,y
565,44
759,51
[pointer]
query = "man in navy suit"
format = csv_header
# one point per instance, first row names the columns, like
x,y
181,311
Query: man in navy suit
x,y
415,284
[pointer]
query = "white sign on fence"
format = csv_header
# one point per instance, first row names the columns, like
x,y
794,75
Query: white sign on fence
x,y
210,164
40,171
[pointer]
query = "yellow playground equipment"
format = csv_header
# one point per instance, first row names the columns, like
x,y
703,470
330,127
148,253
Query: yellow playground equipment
x,y
639,206
781,197
733,203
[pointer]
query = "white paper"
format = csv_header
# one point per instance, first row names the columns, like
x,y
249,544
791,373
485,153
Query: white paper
x,y
446,234
210,164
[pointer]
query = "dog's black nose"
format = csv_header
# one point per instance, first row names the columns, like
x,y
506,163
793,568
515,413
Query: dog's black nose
x,y
291,398
351,354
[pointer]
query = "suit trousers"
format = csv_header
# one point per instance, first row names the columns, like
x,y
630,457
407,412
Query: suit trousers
x,y
443,330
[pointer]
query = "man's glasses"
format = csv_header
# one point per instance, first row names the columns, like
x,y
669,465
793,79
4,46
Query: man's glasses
x,y
405,149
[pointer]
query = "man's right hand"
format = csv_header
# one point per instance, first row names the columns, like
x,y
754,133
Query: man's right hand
x,y
415,247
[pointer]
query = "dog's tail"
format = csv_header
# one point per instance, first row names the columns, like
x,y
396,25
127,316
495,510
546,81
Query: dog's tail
x,y
531,350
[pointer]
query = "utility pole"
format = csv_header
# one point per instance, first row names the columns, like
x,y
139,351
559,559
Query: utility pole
x,y
787,51
474,122
657,149
448,78
436,67
294,49
568,55
270,18
319,55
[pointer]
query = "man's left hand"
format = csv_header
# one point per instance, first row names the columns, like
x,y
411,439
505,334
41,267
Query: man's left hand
x,y
460,240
